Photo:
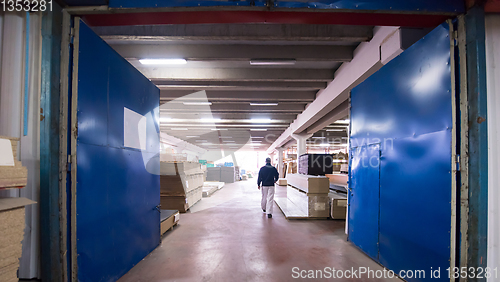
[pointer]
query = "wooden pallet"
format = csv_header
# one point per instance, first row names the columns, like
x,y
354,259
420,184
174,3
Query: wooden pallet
x,y
292,211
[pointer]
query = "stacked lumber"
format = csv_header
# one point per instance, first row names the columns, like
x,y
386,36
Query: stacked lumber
x,y
211,187
180,185
11,234
13,175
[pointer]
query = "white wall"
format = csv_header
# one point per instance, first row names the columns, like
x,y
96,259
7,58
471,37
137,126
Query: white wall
x,y
493,92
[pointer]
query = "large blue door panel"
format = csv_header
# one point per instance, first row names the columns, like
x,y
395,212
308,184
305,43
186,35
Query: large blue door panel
x,y
409,96
364,188
415,210
117,193
406,107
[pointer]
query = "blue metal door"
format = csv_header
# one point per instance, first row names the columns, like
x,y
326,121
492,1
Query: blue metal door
x,y
116,185
364,198
406,107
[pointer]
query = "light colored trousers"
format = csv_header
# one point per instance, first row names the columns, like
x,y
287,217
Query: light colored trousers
x,y
267,199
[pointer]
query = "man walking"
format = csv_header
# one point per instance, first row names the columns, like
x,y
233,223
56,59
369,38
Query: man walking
x,y
268,175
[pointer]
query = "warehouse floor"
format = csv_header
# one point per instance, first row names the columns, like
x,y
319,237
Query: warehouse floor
x,y
226,237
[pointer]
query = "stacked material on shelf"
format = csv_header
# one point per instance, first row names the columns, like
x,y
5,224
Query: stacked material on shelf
x,y
170,157
12,173
282,182
213,173
338,181
316,164
11,234
307,197
291,167
168,219
227,174
338,205
210,187
309,183
222,174
180,184
236,173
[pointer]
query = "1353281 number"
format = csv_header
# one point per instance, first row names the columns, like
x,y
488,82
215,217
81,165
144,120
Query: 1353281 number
x,y
471,272
26,5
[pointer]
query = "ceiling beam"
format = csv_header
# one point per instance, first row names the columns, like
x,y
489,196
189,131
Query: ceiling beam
x,y
236,52
236,32
369,58
239,85
235,115
244,96
339,112
232,107
242,74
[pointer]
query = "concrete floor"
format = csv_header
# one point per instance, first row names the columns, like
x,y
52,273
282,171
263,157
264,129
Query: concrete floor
x,y
226,237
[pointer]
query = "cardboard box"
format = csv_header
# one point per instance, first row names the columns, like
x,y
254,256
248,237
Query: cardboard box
x,y
309,183
282,182
338,206
313,205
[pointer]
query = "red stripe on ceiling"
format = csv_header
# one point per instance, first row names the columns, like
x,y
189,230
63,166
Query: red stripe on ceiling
x,y
227,17
492,6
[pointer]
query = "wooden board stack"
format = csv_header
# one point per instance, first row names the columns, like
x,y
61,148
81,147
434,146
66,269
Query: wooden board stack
x,y
211,187
307,197
11,236
180,185
13,176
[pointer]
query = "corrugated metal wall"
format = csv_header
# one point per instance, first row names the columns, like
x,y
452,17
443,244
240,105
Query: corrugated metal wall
x,y
14,62
493,84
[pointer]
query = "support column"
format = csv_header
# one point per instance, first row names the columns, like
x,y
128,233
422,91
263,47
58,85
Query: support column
x,y
280,161
301,145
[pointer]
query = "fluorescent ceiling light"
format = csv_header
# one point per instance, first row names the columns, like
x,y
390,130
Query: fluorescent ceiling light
x,y
201,141
258,129
192,136
342,121
178,128
225,136
228,141
197,103
255,145
210,120
324,145
258,137
215,129
267,62
260,120
319,137
337,130
255,141
263,104
163,61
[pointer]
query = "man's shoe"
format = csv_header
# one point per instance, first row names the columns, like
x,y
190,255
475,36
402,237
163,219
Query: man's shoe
x,y
269,216
263,211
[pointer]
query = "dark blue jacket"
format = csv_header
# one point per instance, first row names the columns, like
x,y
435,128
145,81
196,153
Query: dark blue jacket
x,y
268,175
